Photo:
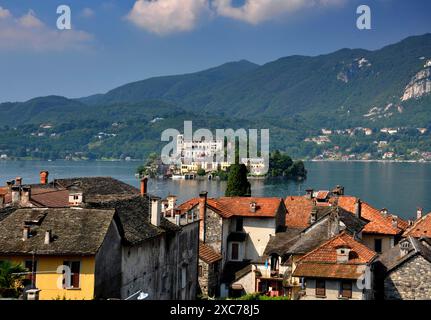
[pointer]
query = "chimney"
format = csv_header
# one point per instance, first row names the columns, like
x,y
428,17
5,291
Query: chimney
x,y
202,214
48,237
309,193
25,195
395,221
10,184
155,211
343,254
44,177
16,195
313,215
25,233
384,212
144,186
358,208
252,207
18,181
419,213
172,202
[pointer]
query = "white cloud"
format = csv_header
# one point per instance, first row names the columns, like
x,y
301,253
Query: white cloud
x,y
30,33
257,11
87,13
4,13
167,16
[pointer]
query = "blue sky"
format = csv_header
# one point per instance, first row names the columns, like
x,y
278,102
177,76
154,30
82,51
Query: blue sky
x,y
115,42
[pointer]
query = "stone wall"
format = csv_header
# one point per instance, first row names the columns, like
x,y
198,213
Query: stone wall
x,y
213,230
157,266
209,280
411,281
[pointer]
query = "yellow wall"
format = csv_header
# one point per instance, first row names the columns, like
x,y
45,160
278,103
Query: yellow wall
x,y
46,277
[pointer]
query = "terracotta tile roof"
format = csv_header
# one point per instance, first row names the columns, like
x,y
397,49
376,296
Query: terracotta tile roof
x,y
229,207
421,228
298,211
322,261
50,198
322,195
240,206
379,224
3,190
188,205
208,254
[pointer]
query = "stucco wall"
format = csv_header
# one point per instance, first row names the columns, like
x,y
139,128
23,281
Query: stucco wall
x,y
387,241
411,281
47,277
332,290
259,231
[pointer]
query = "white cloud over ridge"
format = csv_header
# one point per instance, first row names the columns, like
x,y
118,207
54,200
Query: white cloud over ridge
x,y
257,11
30,33
171,16
167,16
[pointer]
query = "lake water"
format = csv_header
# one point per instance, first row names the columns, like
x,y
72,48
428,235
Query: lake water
x,y
400,187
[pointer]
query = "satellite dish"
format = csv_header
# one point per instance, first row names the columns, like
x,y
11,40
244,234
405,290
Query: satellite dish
x,y
142,296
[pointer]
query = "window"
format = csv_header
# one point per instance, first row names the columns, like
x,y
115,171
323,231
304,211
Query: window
x,y
201,271
30,278
320,288
239,224
234,251
346,289
378,245
274,262
183,277
73,280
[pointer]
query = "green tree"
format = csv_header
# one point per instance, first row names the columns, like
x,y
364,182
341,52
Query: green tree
x,y
201,172
237,183
10,278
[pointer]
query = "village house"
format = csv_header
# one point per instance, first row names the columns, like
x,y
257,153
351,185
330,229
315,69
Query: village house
x,y
272,275
159,254
404,272
238,229
338,269
381,233
46,241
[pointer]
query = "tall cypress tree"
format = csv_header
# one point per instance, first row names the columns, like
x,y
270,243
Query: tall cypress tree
x,y
237,183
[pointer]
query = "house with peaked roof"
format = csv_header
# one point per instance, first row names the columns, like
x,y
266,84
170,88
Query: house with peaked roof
x,y
381,233
421,227
159,254
404,272
209,270
340,268
272,274
238,229
68,253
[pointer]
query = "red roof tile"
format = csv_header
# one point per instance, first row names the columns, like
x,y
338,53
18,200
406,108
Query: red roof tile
x,y
228,207
298,211
421,228
208,254
379,224
322,262
322,195
240,206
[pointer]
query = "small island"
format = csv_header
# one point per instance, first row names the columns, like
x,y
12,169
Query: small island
x,y
281,166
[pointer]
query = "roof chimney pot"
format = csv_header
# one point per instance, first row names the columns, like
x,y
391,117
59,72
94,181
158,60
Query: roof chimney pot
x,y
48,236
44,177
